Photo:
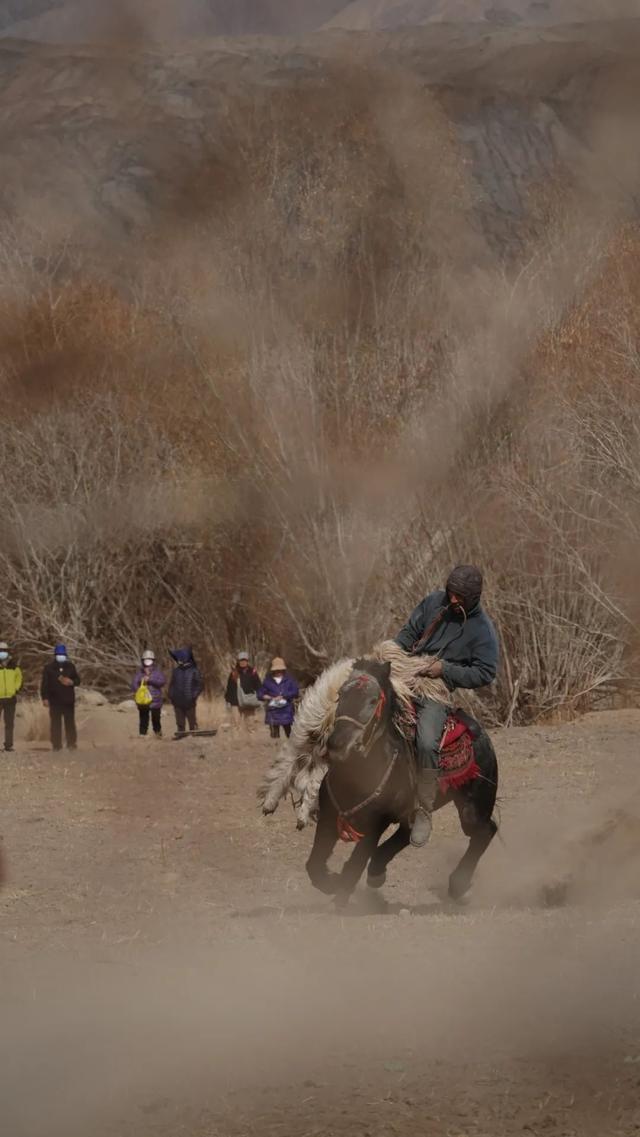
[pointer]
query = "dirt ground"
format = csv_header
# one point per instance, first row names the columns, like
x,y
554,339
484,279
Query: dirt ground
x,y
167,970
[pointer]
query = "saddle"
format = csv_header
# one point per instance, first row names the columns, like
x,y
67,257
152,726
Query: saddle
x,y
457,764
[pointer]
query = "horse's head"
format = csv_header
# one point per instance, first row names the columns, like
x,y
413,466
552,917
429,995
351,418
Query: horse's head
x,y
363,708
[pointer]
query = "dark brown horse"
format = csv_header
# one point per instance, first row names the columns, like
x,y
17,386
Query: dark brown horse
x,y
370,785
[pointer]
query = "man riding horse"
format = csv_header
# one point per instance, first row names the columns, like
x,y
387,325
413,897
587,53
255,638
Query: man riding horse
x,y
451,625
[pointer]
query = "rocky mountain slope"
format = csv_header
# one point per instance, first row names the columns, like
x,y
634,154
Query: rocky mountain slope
x,y
109,140
59,21
367,15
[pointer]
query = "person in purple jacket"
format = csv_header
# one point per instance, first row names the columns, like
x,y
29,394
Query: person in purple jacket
x,y
279,691
155,681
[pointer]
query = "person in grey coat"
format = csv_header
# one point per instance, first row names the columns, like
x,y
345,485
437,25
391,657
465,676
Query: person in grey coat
x,y
451,625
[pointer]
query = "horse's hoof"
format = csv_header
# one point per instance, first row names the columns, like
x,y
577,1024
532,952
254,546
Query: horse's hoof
x,y
374,904
301,824
268,812
328,885
459,885
376,881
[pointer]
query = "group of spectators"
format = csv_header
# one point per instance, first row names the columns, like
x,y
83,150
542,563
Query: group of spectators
x,y
245,693
57,691
277,692
185,688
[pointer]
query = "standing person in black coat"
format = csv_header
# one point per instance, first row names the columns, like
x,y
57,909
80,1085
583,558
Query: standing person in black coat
x,y
185,688
58,691
243,685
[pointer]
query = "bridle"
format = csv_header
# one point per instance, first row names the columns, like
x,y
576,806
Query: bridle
x,y
376,717
345,829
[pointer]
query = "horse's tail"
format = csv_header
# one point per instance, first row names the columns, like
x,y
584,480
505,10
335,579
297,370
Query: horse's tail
x,y
485,786
298,774
278,780
307,785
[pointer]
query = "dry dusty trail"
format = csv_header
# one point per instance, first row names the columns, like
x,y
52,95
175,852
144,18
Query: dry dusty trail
x,y
166,969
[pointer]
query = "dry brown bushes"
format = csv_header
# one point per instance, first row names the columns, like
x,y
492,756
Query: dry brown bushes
x,y
282,423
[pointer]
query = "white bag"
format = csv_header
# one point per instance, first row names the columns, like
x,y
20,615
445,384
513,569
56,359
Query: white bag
x,y
245,700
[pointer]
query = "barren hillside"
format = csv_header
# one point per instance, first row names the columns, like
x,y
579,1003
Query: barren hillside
x,y
77,21
107,141
368,15
364,304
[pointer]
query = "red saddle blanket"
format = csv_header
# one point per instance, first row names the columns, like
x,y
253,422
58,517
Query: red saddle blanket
x,y
457,764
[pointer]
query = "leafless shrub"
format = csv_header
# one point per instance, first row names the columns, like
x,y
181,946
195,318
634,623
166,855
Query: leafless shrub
x,y
34,724
284,428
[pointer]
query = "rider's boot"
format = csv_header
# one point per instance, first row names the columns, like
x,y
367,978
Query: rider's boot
x,y
427,791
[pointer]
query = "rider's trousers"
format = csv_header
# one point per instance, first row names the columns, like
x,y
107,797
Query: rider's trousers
x,y
430,722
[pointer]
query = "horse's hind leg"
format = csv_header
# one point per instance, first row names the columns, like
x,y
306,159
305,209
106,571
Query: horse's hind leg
x,y
324,842
384,854
480,830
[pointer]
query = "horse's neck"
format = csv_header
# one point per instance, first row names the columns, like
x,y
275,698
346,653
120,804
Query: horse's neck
x,y
372,763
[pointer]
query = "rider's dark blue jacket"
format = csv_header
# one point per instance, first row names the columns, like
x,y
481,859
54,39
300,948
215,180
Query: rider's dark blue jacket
x,y
467,647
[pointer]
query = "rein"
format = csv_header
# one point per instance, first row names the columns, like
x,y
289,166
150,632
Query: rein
x,y
375,717
344,814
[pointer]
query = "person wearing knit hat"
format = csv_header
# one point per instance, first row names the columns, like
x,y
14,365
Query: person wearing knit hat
x,y
10,685
58,692
279,692
452,628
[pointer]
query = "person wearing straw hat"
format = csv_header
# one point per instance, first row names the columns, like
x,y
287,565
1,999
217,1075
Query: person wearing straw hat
x,y
279,691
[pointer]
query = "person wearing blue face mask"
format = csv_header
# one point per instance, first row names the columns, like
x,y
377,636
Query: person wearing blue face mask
x,y
10,684
58,691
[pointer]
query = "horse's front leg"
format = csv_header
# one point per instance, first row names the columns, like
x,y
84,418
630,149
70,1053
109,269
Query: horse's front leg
x,y
358,861
480,830
324,842
384,854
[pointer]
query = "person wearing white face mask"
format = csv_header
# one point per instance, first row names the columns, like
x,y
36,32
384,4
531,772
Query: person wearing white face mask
x,y
58,692
10,684
279,691
147,686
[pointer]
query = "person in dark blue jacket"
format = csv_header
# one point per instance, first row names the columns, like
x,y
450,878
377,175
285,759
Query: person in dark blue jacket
x,y
451,626
185,688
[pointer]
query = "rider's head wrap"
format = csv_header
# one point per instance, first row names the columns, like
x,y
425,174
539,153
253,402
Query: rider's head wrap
x,y
465,581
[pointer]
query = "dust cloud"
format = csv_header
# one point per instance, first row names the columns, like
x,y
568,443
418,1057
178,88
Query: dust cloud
x,y
93,1043
582,851
238,1007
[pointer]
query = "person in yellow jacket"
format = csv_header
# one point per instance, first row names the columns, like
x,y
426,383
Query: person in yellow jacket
x,y
10,684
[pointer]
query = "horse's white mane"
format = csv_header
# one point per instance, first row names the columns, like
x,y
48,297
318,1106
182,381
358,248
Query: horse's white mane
x,y
301,763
